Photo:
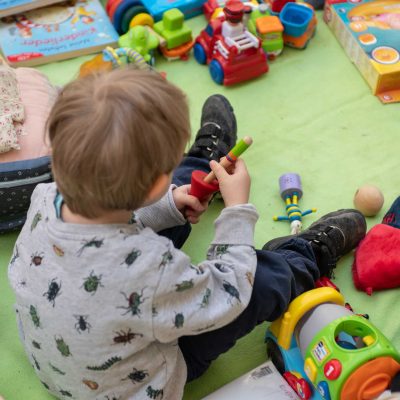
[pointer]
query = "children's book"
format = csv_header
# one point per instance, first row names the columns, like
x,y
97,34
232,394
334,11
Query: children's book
x,y
56,32
10,7
261,383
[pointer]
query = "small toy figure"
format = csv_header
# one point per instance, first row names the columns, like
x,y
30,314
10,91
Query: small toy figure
x,y
291,193
202,185
234,31
233,25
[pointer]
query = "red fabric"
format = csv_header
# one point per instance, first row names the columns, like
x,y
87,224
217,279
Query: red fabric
x,y
377,260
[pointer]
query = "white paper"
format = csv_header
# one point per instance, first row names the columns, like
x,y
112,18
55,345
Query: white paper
x,y
261,383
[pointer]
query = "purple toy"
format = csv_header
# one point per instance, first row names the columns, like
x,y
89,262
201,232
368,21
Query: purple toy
x,y
291,193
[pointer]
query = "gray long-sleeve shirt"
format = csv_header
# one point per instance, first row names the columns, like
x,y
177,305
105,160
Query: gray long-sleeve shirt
x,y
100,307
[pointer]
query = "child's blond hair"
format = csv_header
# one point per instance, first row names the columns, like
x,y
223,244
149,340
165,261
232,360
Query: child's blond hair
x,y
112,135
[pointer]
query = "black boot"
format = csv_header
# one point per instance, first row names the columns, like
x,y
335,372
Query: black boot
x,y
332,236
217,134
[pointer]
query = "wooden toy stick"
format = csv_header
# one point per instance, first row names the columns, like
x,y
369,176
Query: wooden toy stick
x,y
232,156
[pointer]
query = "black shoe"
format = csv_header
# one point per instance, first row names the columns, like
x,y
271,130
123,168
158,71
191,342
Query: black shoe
x,y
332,236
217,134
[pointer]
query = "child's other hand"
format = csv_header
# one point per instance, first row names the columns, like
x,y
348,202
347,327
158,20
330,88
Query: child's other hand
x,y
190,206
234,187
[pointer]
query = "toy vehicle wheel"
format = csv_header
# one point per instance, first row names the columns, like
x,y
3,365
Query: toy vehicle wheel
x,y
216,71
275,355
199,53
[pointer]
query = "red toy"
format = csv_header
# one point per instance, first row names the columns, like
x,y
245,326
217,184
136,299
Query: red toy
x,y
277,5
377,259
200,188
203,184
234,54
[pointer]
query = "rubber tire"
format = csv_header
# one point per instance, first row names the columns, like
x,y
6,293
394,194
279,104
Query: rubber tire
x,y
199,54
216,72
275,355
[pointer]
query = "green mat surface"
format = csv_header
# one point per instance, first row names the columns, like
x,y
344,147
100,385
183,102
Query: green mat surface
x,y
312,114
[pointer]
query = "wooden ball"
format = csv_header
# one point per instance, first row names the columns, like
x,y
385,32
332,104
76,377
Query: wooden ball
x,y
368,199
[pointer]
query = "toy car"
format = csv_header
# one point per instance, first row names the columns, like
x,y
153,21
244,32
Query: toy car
x,y
327,352
229,61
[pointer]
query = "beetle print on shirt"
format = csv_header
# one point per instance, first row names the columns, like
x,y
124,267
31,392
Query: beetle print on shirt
x,y
92,282
53,291
134,301
131,257
95,243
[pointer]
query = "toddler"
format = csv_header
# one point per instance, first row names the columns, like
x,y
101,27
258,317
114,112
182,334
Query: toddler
x,y
107,305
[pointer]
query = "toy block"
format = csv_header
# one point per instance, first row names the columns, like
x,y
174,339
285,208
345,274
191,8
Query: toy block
x,y
173,28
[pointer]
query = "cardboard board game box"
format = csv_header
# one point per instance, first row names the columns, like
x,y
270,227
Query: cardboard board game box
x,y
369,32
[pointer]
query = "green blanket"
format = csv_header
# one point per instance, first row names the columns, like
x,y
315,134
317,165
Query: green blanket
x,y
312,114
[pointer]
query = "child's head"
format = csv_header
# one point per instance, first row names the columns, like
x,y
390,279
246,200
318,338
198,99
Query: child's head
x,y
112,135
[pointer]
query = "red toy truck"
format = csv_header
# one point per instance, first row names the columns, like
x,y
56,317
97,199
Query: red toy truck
x,y
231,60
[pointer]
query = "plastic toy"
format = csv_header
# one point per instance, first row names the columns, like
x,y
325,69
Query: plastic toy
x,y
112,58
203,184
212,8
122,12
270,30
277,5
291,193
326,352
369,200
234,54
299,22
141,40
177,35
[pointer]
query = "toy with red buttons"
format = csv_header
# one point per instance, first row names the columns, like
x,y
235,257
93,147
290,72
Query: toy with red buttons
x,y
325,351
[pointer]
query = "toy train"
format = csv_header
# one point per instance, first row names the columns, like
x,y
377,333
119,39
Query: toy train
x,y
325,351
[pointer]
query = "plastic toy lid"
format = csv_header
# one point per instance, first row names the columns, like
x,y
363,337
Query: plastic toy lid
x,y
370,380
269,23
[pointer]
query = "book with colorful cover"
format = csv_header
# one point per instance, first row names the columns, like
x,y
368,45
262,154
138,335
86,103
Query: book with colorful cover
x,y
10,7
56,32
369,32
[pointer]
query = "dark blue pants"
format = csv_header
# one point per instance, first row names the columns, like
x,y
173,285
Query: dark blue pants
x,y
281,275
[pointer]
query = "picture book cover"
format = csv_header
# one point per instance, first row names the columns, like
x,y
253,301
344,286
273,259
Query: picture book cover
x,y
10,7
369,32
55,33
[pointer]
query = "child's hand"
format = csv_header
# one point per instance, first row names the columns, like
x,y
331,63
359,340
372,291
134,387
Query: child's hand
x,y
234,187
190,206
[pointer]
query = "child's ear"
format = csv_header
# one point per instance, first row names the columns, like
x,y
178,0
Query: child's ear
x,y
158,189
